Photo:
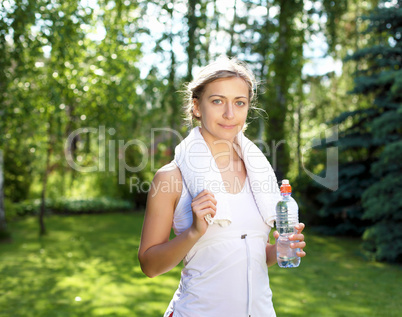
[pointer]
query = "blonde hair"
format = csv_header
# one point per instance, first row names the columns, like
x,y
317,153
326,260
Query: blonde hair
x,y
223,67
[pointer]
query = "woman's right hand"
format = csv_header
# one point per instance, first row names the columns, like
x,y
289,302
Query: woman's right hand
x,y
203,204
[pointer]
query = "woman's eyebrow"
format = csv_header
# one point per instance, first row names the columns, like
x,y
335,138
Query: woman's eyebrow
x,y
221,96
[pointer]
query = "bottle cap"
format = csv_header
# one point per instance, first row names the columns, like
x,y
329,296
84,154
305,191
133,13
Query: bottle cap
x,y
285,187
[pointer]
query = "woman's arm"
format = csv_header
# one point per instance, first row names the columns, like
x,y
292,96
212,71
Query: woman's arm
x,y
270,249
156,253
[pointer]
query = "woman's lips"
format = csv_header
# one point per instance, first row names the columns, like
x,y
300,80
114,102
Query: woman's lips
x,y
227,126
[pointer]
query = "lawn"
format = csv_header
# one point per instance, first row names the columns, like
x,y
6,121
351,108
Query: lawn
x,y
87,266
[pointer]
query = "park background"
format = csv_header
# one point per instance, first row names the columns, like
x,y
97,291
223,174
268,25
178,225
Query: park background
x,y
90,106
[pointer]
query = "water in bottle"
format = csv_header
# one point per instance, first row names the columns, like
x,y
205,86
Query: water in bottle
x,y
287,217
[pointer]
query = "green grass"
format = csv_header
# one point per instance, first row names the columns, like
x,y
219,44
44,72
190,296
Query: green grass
x,y
94,258
334,279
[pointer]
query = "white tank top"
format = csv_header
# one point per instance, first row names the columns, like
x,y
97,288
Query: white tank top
x,y
225,273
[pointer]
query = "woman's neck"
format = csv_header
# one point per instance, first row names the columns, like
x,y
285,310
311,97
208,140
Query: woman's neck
x,y
222,150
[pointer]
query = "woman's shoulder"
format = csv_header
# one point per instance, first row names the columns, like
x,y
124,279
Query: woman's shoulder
x,y
167,182
168,172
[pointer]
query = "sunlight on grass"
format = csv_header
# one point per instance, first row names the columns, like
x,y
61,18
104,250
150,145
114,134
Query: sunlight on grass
x,y
87,266
333,280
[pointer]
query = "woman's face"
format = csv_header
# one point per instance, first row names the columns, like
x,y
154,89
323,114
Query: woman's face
x,y
223,108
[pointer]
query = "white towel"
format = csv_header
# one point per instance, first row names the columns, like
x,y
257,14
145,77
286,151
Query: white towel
x,y
199,171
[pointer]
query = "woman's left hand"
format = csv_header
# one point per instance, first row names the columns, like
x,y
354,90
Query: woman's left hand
x,y
300,238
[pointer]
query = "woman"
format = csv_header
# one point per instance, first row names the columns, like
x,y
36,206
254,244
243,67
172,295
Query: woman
x,y
225,267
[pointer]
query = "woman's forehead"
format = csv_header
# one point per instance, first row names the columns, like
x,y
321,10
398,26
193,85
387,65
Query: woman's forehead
x,y
229,85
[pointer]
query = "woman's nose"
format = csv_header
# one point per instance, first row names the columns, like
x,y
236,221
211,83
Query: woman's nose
x,y
229,111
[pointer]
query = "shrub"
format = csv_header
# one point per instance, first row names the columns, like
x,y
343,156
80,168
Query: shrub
x,y
66,206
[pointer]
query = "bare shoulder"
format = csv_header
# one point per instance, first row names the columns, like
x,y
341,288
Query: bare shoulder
x,y
169,174
170,169
167,183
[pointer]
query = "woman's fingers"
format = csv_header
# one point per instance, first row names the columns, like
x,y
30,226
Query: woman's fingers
x,y
205,195
299,227
297,236
204,203
299,240
301,253
300,245
206,211
205,192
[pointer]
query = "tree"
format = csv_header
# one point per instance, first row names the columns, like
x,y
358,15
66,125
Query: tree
x,y
325,98
382,200
56,79
192,36
3,224
369,197
285,67
15,99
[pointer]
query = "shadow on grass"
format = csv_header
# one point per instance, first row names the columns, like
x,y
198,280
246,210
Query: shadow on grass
x,y
335,280
87,266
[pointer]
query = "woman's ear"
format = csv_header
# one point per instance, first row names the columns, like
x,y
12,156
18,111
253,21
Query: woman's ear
x,y
196,108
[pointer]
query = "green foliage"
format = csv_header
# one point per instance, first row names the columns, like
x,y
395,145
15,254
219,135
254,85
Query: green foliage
x,y
383,199
389,161
384,239
18,172
5,235
383,205
27,207
58,78
371,174
341,210
286,66
94,205
64,205
334,11
70,65
323,97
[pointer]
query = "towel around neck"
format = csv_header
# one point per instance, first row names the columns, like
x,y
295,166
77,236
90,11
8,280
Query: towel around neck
x,y
200,171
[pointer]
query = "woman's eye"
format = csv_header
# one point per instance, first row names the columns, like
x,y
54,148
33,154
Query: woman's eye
x,y
217,101
241,103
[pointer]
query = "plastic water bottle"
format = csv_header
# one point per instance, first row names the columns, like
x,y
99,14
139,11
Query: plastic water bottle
x,y
287,216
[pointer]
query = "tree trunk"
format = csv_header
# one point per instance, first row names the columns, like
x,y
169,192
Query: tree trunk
x,y
211,26
299,120
232,31
3,224
261,122
279,94
42,227
192,27
174,103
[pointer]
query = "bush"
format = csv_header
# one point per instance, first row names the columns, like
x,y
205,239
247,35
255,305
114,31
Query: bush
x,y
66,206
92,205
26,207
